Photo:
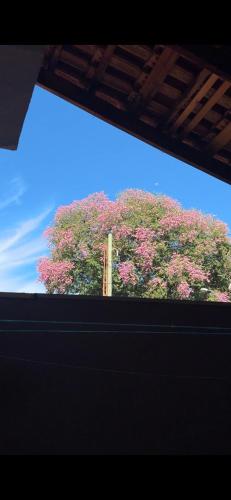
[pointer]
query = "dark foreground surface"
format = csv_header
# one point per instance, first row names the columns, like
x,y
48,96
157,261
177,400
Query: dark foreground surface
x,y
114,376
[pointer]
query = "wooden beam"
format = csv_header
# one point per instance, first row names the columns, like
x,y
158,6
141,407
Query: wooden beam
x,y
206,108
96,74
220,140
218,126
147,67
75,80
133,126
214,58
94,70
55,57
142,52
94,62
73,60
104,62
92,73
158,74
190,91
194,101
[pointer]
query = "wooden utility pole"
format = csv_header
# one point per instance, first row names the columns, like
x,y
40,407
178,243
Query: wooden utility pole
x,y
107,268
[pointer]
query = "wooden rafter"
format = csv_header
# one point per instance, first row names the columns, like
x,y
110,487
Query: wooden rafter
x,y
92,72
194,101
94,62
215,58
73,61
96,73
188,94
206,108
140,51
221,139
218,126
158,74
75,80
150,60
158,92
104,62
57,49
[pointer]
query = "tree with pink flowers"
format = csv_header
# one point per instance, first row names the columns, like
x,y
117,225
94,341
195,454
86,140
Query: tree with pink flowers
x,y
160,250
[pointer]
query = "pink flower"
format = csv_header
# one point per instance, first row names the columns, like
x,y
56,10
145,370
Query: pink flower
x,y
221,297
155,282
62,211
138,195
121,232
146,251
48,233
144,233
220,226
181,264
127,273
184,290
56,275
168,203
112,218
66,240
83,251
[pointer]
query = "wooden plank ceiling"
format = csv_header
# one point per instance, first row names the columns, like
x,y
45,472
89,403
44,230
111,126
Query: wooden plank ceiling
x,y
164,95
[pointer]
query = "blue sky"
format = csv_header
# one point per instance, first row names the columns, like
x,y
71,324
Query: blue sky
x,y
65,154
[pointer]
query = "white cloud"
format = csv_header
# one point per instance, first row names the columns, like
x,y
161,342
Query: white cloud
x,y
19,249
17,190
24,254
23,229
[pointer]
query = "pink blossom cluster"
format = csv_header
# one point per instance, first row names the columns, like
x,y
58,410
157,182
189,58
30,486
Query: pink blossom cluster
x,y
83,251
206,247
49,232
221,296
156,282
146,251
138,195
184,290
127,273
168,203
94,202
66,240
63,211
112,217
55,274
94,206
188,236
121,231
181,264
144,233
220,226
187,218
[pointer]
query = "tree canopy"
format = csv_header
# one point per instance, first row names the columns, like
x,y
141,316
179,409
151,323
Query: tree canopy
x,y
160,250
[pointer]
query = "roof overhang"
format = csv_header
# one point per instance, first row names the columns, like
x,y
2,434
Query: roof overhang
x,y
175,98
19,68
